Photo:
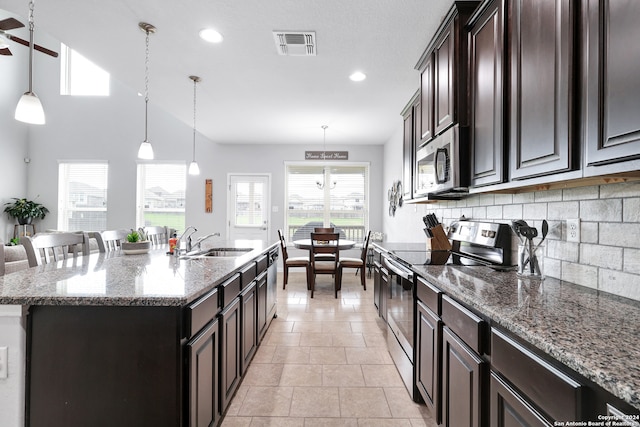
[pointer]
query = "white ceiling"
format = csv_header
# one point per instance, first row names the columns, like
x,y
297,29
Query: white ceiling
x,y
249,93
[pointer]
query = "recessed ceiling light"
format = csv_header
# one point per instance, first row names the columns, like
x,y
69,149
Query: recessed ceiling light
x,y
358,76
210,35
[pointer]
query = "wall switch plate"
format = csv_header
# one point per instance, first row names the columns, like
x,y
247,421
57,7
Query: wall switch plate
x,y
4,363
573,230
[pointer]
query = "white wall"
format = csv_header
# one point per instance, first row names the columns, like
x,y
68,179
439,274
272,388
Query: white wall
x,y
12,389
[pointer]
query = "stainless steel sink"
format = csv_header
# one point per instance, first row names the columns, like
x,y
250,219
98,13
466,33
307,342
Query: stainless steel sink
x,y
218,252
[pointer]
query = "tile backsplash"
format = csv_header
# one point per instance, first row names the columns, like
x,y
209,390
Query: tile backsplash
x,y
606,258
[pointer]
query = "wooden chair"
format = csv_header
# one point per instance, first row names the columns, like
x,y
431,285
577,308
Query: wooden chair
x,y
322,245
110,240
358,263
291,262
327,257
46,248
158,235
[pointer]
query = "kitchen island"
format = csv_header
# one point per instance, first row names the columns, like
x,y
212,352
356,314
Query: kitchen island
x,y
588,338
148,339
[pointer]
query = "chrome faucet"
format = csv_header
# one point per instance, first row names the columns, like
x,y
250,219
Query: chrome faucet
x,y
198,242
188,237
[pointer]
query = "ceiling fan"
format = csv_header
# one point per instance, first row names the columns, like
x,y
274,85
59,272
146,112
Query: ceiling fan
x,y
12,24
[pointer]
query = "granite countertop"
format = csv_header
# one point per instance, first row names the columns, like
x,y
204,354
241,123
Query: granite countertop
x,y
112,278
594,333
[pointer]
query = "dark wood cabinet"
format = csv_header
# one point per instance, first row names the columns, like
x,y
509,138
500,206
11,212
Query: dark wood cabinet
x,y
230,355
409,147
425,119
203,400
248,325
463,383
509,409
541,94
428,349
611,97
486,47
443,55
261,285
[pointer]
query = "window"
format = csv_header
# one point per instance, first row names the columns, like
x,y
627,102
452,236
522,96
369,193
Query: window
x,y
343,202
79,76
82,196
161,195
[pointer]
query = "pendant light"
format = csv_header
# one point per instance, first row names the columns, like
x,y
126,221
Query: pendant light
x,y
324,157
146,150
29,108
193,166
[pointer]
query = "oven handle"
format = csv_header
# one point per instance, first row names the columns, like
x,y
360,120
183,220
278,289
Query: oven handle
x,y
397,268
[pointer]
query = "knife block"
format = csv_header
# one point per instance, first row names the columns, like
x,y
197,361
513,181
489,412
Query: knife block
x,y
439,241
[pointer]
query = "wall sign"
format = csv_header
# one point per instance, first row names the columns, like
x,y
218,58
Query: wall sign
x,y
326,155
208,195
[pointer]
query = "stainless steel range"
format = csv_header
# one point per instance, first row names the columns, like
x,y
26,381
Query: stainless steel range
x,y
473,243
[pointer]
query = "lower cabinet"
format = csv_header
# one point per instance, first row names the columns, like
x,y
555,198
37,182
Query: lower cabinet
x,y
263,310
428,346
249,325
509,409
202,354
463,373
230,354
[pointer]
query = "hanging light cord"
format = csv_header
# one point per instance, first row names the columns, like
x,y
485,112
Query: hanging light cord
x,y
195,82
31,7
146,86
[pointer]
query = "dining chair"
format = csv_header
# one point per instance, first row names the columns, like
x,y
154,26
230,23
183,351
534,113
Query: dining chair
x,y
157,234
357,263
45,248
292,262
322,245
325,257
110,240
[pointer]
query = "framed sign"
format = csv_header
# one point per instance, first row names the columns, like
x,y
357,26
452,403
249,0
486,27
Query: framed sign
x,y
326,155
208,195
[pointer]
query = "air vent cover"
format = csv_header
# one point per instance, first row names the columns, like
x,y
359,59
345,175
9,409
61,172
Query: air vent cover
x,y
295,43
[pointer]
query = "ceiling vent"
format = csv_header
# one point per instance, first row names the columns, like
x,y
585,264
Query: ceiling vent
x,y
295,43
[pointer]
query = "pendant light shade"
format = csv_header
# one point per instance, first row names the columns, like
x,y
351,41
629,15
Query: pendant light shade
x,y
194,169
29,108
145,151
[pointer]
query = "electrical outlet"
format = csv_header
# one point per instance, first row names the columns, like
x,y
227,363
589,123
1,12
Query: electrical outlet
x,y
4,363
573,230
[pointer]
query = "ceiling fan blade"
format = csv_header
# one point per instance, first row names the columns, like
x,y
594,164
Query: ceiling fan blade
x,y
5,51
35,46
10,24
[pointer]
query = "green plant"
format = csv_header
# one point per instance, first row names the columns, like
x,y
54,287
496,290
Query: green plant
x,y
23,208
14,241
133,237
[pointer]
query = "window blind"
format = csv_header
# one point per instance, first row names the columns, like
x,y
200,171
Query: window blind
x,y
82,196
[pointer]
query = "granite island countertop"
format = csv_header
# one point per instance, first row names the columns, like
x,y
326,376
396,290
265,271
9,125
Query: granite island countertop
x,y
116,279
594,333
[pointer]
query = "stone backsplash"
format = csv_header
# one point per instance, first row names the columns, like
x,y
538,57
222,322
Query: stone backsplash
x,y
607,257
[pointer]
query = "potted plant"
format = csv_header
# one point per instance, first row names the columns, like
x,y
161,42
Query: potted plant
x,y
137,243
25,211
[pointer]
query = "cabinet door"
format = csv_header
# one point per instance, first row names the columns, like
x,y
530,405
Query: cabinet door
x,y
428,347
542,70
612,82
376,286
462,383
248,325
384,293
202,354
408,150
426,101
229,352
262,304
508,409
487,127
444,106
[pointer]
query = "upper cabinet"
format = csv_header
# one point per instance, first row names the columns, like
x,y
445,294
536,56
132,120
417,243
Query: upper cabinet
x,y
486,51
611,90
542,65
411,117
443,75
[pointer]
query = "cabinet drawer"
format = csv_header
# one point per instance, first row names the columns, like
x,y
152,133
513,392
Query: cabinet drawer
x,y
554,392
429,295
466,325
262,264
247,274
201,312
230,289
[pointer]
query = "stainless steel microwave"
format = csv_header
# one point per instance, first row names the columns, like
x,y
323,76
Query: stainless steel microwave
x,y
442,166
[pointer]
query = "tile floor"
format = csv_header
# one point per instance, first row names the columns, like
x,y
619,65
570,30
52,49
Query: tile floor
x,y
324,362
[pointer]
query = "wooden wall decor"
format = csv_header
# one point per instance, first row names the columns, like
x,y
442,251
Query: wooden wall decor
x,y
208,195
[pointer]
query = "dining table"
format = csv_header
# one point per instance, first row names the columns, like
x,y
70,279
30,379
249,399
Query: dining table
x,y
343,244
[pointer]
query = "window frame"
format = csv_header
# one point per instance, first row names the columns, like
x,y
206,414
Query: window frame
x,y
63,192
140,191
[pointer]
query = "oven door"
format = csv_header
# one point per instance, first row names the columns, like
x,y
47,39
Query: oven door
x,y
400,320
